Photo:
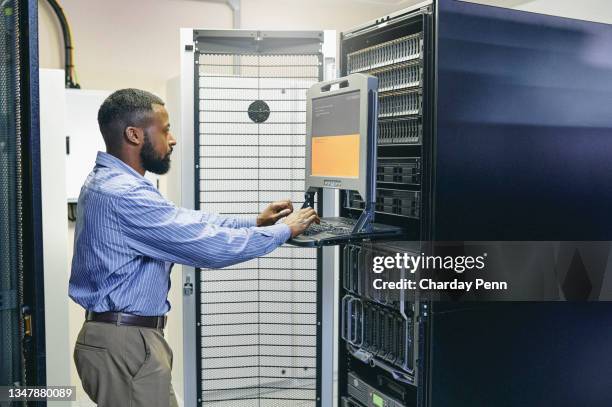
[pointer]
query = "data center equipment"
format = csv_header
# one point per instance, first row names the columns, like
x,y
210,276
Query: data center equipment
x,y
366,395
341,131
23,357
379,329
251,331
476,142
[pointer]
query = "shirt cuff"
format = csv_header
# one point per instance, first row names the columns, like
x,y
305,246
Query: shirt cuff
x,y
281,232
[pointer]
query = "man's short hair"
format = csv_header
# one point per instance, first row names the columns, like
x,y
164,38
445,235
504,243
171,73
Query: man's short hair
x,y
124,108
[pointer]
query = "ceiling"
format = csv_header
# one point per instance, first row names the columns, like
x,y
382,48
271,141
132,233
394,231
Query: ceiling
x,y
501,3
391,3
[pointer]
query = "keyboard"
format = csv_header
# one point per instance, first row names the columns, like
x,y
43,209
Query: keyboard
x,y
336,230
341,227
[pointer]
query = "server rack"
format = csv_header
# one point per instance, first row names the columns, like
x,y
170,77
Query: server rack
x,y
22,344
382,331
253,331
492,128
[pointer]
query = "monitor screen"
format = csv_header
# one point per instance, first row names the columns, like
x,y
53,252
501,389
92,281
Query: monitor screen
x,y
335,136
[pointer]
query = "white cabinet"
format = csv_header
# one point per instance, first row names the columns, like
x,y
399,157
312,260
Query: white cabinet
x,y
84,139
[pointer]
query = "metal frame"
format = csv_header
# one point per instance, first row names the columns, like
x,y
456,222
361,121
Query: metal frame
x,y
397,16
190,351
430,81
250,41
328,278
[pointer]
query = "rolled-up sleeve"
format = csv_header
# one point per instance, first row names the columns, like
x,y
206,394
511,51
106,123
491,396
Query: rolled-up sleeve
x,y
156,228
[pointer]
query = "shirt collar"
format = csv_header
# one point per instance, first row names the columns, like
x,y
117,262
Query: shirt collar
x,y
110,161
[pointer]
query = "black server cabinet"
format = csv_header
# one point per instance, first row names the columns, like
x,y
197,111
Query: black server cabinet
x,y
22,318
522,139
510,354
381,333
494,125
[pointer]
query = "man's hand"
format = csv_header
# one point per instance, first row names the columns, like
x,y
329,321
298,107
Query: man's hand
x,y
300,220
274,212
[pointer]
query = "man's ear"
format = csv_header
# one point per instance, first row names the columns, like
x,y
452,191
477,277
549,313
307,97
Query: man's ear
x,y
134,135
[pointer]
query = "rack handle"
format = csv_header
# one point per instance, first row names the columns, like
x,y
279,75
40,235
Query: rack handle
x,y
342,83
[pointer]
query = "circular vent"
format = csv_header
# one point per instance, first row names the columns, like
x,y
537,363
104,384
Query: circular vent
x,y
259,111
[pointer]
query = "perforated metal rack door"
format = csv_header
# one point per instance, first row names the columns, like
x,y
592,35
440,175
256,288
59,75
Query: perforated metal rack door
x,y
11,266
258,331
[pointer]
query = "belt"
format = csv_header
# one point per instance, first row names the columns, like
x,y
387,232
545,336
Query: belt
x,y
121,318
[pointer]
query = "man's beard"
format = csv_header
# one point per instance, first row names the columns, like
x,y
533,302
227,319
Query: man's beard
x,y
151,161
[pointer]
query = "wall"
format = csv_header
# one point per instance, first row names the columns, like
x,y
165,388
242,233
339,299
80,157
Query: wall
x,y
135,43
593,10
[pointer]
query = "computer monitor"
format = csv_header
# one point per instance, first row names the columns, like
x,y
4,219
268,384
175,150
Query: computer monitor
x,y
341,121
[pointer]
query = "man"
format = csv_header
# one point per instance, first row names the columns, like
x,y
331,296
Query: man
x,y
126,240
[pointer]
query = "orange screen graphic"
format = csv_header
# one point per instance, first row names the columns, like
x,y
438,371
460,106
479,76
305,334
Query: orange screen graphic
x,y
335,156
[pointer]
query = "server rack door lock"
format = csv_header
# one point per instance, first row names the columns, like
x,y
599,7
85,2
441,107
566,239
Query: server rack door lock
x,y
188,287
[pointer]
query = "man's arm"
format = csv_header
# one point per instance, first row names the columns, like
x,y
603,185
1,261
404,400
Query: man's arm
x,y
156,228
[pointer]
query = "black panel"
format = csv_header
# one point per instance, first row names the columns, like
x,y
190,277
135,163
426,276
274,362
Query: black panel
x,y
524,130
522,354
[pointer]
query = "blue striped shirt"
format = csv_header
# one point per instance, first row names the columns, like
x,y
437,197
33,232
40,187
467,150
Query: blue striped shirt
x,y
128,237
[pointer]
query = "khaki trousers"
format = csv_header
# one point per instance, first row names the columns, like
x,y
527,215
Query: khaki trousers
x,y
124,365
